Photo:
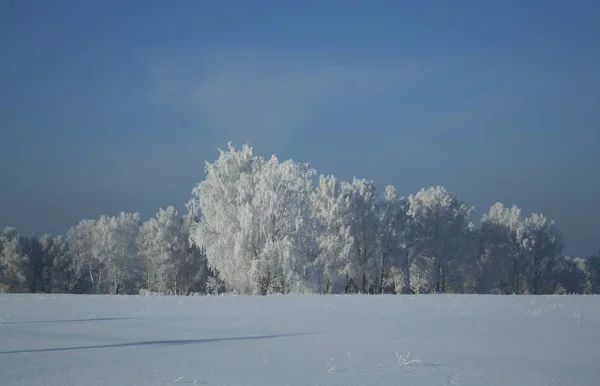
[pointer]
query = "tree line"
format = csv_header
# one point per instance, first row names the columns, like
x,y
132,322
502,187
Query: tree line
x,y
264,226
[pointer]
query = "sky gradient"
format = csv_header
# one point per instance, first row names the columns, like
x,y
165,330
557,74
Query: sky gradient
x,y
112,106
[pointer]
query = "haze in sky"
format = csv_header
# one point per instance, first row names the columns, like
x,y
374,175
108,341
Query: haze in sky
x,y
114,106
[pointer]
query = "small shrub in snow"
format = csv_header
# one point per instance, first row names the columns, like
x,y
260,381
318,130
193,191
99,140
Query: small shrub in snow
x,y
407,361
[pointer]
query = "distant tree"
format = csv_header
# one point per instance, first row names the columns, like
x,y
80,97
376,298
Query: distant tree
x,y
192,267
333,235
118,236
30,247
85,253
159,239
13,262
40,262
457,278
440,220
362,263
500,261
105,251
259,226
592,268
396,247
63,267
171,263
46,243
569,275
542,243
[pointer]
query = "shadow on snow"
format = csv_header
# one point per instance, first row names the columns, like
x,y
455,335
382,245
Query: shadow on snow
x,y
151,343
64,321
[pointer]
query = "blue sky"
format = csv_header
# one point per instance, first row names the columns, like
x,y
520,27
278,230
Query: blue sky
x,y
112,106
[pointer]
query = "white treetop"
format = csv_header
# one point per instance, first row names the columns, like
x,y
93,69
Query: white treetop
x,y
255,221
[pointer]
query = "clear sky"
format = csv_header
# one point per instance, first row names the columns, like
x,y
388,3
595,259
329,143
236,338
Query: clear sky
x,y
109,106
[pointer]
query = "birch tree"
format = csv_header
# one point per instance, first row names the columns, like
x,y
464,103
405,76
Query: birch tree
x,y
85,253
255,220
117,236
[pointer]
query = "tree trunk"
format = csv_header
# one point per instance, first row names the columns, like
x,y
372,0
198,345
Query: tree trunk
x,y
148,277
406,289
406,285
443,277
438,275
382,274
175,288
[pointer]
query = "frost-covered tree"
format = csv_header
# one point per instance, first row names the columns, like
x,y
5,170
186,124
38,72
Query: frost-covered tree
x,y
500,262
171,263
389,244
218,201
257,226
278,225
85,253
333,236
105,251
516,253
192,268
396,241
542,244
440,220
255,221
348,225
13,262
118,236
362,263
159,239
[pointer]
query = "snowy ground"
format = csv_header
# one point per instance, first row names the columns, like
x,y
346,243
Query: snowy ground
x,y
300,340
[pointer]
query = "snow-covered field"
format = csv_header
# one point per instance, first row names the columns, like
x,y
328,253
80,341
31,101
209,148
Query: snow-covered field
x,y
300,340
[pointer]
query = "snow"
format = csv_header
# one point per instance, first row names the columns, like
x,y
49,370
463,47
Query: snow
x,y
299,340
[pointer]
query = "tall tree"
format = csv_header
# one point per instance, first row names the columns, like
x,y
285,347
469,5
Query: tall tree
x,y
219,199
255,220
